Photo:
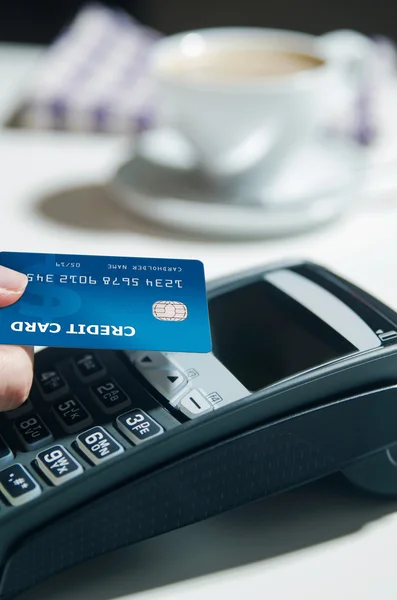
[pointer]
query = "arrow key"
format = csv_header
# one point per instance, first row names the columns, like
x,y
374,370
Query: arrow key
x,y
166,381
151,360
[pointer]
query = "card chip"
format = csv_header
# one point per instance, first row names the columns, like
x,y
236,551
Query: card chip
x,y
170,310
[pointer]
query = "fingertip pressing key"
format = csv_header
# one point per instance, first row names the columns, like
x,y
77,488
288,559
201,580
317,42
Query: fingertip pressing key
x,y
16,374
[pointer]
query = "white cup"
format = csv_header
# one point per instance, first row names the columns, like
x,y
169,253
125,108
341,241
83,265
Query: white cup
x,y
246,127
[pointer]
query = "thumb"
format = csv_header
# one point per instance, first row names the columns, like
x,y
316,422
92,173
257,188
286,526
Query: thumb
x,y
12,286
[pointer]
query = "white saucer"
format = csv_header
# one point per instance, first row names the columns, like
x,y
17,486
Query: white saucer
x,y
162,183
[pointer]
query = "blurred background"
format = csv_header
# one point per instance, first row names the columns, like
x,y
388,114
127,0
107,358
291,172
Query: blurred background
x,y
73,74
70,66
40,21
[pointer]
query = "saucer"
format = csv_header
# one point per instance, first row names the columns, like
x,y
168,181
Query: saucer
x,y
162,183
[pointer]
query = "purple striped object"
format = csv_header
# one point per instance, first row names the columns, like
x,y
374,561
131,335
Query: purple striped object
x,y
94,76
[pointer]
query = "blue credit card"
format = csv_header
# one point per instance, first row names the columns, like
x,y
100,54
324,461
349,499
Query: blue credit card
x,y
108,302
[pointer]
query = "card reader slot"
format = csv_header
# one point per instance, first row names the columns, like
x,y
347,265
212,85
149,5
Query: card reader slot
x,y
374,313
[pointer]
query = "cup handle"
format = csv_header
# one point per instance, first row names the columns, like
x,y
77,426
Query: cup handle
x,y
349,48
355,58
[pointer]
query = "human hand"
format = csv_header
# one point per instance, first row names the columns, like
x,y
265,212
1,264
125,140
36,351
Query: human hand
x,y
16,362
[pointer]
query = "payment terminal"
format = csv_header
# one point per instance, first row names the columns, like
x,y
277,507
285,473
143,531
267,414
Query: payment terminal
x,y
114,447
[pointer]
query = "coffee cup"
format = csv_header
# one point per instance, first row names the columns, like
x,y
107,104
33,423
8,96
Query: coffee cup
x,y
245,98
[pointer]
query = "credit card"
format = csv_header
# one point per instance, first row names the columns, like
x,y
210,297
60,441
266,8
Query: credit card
x,y
108,302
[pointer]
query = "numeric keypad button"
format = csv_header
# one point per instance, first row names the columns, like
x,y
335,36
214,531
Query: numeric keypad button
x,y
110,397
32,431
17,485
24,409
51,383
98,445
72,415
138,426
58,465
88,366
5,453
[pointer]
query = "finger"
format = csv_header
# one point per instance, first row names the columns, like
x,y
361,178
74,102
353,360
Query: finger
x,y
16,374
12,285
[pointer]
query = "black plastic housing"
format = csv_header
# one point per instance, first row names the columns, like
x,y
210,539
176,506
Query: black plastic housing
x,y
285,435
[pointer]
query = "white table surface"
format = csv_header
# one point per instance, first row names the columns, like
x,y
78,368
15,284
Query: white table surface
x,y
319,542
